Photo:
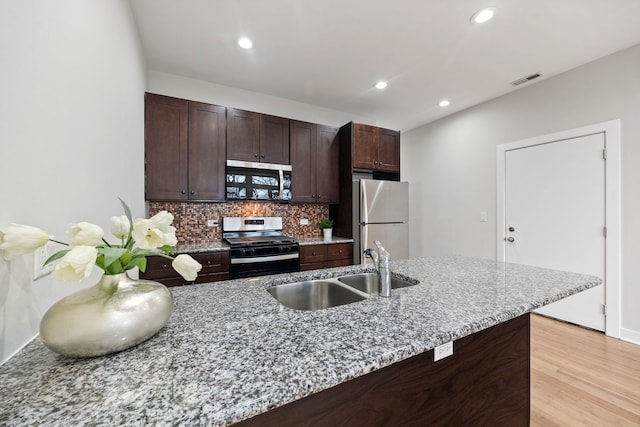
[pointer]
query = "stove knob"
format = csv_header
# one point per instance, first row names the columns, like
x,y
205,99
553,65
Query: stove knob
x,y
243,251
251,251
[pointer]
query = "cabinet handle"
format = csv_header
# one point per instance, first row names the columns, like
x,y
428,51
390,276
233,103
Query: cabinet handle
x,y
255,155
183,192
209,262
262,156
164,265
313,253
193,192
340,251
318,196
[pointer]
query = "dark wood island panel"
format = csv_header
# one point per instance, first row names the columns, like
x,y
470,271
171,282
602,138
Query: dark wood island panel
x,y
484,383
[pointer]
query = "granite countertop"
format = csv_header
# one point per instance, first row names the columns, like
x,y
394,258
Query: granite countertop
x,y
219,245
212,246
231,351
304,241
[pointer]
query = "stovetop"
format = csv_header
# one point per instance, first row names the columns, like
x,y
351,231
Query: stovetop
x,y
254,231
259,240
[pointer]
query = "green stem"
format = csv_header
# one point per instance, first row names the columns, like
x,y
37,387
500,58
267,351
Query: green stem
x,y
59,242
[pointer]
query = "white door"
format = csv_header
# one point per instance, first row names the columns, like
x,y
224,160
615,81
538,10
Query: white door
x,y
555,217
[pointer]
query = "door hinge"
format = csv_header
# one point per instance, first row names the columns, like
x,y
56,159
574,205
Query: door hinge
x,y
604,231
604,309
604,153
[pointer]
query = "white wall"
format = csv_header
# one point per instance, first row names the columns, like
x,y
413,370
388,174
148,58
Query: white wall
x,y
198,90
451,163
72,81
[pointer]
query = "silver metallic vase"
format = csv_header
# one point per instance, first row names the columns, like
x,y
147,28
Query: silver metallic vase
x,y
115,314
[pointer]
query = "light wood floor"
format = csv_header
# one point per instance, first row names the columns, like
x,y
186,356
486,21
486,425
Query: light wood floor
x,y
581,377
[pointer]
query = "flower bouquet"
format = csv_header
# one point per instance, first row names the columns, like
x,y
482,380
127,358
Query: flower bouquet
x,y
152,236
118,312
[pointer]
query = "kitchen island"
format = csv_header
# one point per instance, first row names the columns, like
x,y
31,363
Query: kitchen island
x,y
231,352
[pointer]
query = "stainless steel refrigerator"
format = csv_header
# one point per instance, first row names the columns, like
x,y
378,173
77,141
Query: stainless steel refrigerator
x,y
381,212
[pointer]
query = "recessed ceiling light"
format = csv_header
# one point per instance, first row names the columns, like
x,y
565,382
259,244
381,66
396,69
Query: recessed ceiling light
x,y
381,85
444,103
245,43
482,15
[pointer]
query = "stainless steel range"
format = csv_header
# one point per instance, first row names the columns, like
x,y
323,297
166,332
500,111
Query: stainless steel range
x,y
258,247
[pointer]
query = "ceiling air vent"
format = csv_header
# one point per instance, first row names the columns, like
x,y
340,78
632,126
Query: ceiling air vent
x,y
525,79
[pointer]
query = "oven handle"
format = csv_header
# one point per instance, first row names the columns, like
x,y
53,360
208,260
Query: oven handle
x,y
255,260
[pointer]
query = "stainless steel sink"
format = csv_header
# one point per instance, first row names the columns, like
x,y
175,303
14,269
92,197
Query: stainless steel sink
x,y
315,294
324,293
368,282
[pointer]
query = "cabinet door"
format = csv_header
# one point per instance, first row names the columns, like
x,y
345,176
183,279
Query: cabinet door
x,y
388,150
303,161
339,251
165,148
313,254
274,139
365,146
243,135
207,142
327,165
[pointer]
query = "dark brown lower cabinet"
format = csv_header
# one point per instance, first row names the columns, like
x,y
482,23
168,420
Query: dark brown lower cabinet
x,y
484,383
215,267
313,257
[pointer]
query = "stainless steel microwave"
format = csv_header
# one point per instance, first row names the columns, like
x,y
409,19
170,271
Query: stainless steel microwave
x,y
257,181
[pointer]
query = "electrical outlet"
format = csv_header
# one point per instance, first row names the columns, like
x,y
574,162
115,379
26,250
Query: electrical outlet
x,y
442,351
39,257
483,216
304,221
212,223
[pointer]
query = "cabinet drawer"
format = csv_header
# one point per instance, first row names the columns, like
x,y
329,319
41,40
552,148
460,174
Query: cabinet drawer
x,y
158,268
215,266
339,251
212,262
313,253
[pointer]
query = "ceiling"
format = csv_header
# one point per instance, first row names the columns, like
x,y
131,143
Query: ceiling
x,y
330,53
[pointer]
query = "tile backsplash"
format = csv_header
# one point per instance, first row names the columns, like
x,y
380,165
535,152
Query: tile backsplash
x,y
190,219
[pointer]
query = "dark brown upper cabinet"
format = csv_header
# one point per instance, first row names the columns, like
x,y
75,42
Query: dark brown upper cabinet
x,y
255,137
207,145
184,150
328,165
315,156
388,150
375,149
243,135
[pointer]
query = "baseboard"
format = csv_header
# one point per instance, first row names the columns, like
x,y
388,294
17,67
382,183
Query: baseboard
x,y
630,336
19,349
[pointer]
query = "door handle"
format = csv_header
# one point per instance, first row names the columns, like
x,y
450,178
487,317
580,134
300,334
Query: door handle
x,y
510,239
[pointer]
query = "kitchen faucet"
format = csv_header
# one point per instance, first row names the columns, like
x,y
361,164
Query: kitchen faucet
x,y
381,260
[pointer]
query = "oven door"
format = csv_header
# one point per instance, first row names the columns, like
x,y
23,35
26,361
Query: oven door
x,y
263,266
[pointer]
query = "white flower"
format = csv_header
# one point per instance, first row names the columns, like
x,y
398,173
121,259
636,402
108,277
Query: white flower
x,y
16,240
120,226
76,264
169,239
163,220
146,234
85,234
186,266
